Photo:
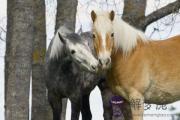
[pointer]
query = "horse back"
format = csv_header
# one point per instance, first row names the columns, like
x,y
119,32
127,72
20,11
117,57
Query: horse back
x,y
163,50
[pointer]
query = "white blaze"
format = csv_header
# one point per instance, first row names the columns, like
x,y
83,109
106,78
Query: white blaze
x,y
104,40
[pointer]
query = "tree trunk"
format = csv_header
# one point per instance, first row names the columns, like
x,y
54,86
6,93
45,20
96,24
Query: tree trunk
x,y
134,12
40,106
18,58
66,15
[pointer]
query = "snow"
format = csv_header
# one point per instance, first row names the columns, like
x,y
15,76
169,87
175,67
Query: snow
x,y
1,88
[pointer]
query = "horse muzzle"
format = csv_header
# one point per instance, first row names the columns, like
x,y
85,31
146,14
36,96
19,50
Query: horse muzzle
x,y
104,63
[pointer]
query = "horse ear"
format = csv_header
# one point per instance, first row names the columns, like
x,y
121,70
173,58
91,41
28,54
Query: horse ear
x,y
111,15
61,38
93,15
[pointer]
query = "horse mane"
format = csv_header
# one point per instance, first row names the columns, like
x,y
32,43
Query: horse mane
x,y
56,48
102,21
126,36
57,45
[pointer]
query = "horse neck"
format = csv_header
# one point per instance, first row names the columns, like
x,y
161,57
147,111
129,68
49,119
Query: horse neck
x,y
119,57
125,36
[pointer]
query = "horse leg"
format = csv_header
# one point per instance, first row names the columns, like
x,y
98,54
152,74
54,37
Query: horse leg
x,y
125,107
85,110
136,100
75,108
126,110
64,106
106,97
56,105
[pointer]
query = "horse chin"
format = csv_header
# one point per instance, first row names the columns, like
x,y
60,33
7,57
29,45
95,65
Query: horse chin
x,y
104,67
87,68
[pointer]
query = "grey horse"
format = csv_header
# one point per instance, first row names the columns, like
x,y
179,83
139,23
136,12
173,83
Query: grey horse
x,y
67,59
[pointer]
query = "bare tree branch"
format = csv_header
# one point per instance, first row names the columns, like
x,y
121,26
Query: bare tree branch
x,y
2,30
162,12
2,39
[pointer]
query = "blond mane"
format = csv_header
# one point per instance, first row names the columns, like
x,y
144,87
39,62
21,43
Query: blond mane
x,y
102,23
126,36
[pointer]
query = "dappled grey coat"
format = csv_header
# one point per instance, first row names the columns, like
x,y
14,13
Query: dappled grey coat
x,y
64,78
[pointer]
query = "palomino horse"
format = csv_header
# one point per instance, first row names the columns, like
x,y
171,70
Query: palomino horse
x,y
66,55
140,69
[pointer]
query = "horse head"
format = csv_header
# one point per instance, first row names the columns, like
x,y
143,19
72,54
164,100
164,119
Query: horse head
x,y
103,36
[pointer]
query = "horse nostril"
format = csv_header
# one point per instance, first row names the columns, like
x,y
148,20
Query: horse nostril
x,y
100,62
93,67
108,61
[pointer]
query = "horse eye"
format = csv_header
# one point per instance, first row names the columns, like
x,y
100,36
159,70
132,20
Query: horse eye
x,y
94,36
73,51
112,34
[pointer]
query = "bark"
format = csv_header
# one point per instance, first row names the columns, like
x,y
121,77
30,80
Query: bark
x,y
134,11
18,58
40,106
66,15
160,13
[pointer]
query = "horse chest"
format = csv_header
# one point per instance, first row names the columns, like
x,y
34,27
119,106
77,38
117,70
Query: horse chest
x,y
115,85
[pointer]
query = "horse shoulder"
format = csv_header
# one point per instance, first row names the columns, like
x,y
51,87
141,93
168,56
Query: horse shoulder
x,y
130,71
